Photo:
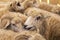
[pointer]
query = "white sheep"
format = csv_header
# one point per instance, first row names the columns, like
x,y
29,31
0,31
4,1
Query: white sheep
x,y
48,7
12,21
46,23
7,35
24,35
27,35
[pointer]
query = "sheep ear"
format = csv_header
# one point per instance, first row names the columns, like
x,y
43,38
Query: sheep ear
x,y
4,23
7,23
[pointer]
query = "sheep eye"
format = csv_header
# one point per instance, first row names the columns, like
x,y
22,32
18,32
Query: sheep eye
x,y
18,4
13,24
37,18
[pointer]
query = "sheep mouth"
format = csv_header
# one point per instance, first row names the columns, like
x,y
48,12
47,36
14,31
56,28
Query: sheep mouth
x,y
33,28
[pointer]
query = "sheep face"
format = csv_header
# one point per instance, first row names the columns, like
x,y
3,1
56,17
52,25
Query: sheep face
x,y
14,25
35,23
16,6
12,21
35,19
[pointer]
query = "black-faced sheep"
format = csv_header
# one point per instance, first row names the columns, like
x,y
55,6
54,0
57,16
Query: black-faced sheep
x,y
46,23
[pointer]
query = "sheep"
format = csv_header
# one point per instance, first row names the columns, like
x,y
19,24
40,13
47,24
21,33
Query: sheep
x,y
36,3
22,6
4,9
17,6
12,21
7,35
28,3
30,11
13,6
48,7
43,5
46,23
26,35
26,12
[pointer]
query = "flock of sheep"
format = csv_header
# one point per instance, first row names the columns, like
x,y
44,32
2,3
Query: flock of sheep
x,y
29,20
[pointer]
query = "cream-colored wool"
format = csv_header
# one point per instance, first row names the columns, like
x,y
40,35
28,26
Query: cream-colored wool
x,y
4,8
48,7
4,4
46,23
7,35
27,3
26,35
42,5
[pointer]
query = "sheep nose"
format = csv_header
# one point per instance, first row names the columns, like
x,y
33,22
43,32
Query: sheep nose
x,y
27,28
